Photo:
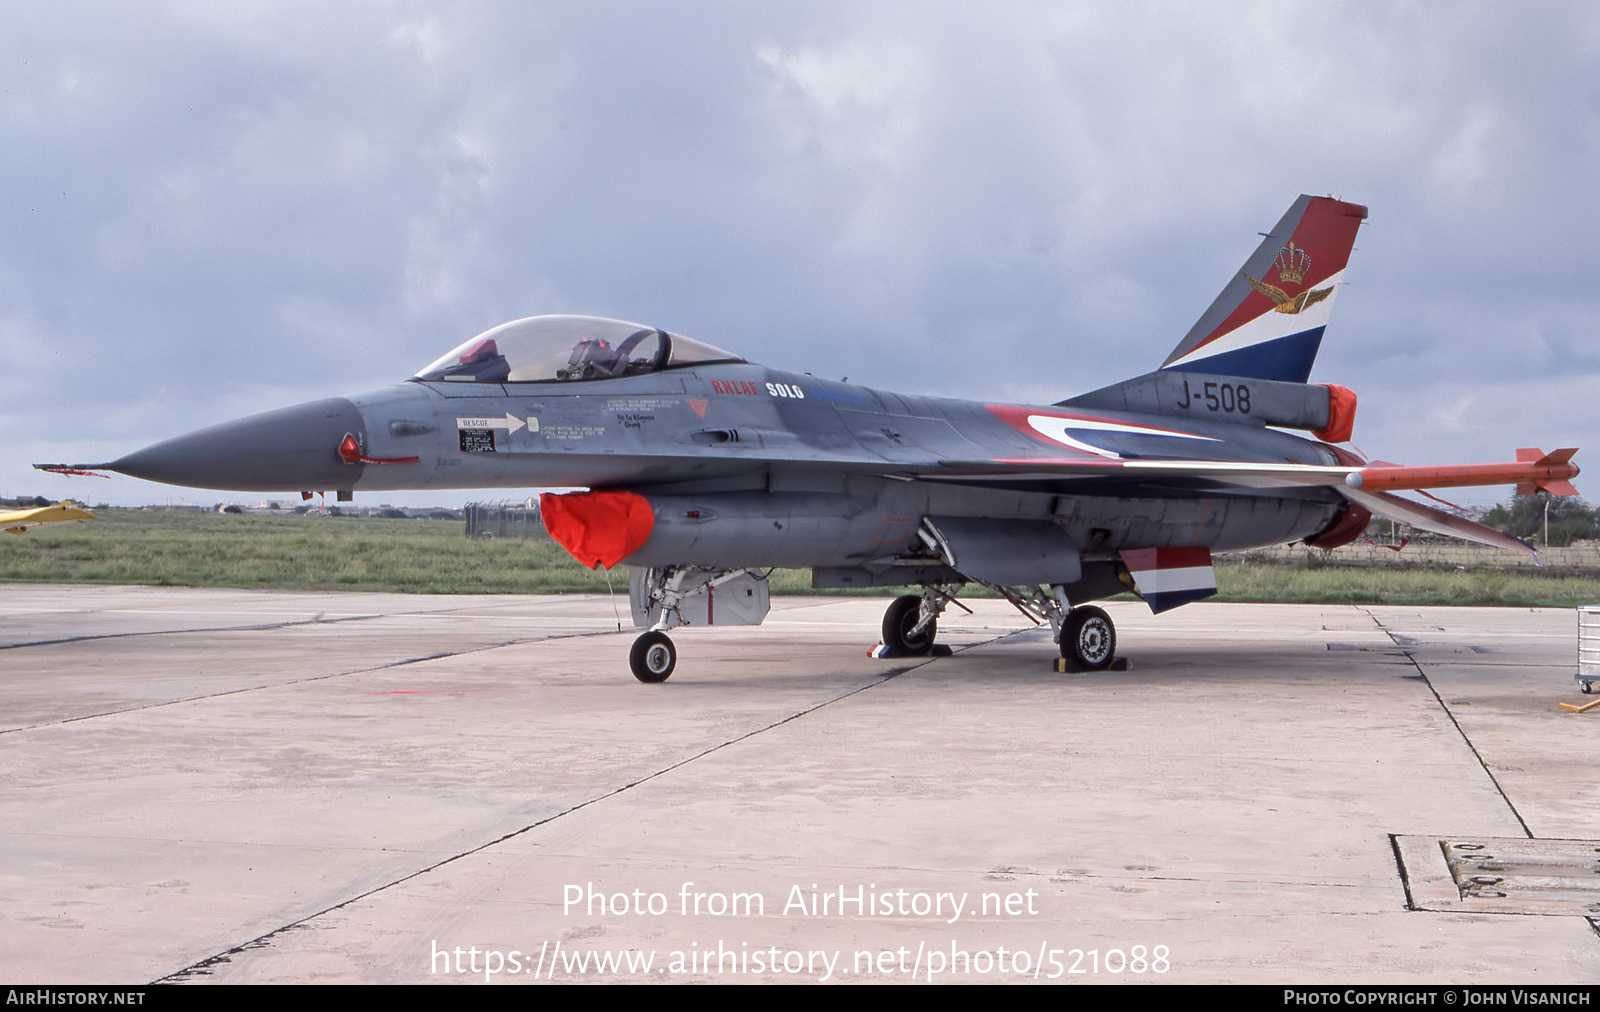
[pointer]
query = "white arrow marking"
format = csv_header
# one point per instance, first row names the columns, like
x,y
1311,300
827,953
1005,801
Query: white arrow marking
x,y
511,423
1055,427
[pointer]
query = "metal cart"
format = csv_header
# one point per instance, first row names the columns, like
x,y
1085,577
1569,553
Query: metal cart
x,y
1588,675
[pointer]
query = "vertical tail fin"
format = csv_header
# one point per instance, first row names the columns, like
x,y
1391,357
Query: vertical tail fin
x,y
1268,322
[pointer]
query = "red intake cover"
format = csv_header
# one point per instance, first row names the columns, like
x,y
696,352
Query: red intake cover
x,y
598,528
1341,414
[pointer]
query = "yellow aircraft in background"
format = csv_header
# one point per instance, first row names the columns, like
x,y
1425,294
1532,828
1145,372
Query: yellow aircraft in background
x,y
17,521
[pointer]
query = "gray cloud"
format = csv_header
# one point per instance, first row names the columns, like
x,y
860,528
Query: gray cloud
x,y
215,210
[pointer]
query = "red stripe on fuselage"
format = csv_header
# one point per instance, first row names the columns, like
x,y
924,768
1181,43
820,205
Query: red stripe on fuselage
x,y
1017,417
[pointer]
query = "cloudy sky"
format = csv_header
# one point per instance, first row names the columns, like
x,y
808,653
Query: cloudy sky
x,y
215,209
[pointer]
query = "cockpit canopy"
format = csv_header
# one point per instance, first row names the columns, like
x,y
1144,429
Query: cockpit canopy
x,y
543,349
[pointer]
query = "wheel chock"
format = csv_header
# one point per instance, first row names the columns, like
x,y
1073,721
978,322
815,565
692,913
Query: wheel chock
x,y
882,651
1062,666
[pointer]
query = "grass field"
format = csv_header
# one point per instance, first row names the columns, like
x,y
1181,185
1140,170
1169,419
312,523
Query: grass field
x,y
1291,583
432,557
309,552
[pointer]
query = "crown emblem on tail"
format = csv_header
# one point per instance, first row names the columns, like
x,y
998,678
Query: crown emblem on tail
x,y
1293,264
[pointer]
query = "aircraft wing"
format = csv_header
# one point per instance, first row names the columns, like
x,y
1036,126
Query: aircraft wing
x,y
1550,471
1359,483
17,521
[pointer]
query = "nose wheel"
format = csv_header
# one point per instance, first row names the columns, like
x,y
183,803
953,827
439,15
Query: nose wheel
x,y
653,657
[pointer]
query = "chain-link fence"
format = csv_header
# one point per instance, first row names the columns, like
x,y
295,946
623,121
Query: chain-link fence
x,y
504,519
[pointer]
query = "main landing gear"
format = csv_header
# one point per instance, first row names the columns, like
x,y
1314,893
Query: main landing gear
x,y
1087,637
1088,640
912,623
907,632
668,598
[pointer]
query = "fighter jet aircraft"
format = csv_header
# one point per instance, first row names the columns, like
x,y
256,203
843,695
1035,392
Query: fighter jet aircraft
x,y
705,471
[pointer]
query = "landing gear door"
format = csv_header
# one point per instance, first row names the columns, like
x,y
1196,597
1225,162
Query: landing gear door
x,y
1007,553
668,598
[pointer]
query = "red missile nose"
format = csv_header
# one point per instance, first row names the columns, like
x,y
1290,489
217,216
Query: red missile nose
x,y
349,449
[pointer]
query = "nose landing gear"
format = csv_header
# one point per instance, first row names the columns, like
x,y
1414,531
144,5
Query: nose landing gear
x,y
653,657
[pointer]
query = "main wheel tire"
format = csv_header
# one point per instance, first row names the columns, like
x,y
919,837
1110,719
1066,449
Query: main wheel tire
x,y
898,622
1088,639
653,657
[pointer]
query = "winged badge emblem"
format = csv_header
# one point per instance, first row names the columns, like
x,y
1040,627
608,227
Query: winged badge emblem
x,y
1290,303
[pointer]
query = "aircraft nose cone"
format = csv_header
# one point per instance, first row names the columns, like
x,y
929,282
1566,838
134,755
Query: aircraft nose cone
x,y
291,449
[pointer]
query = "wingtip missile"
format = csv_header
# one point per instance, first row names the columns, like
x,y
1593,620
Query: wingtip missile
x,y
1533,469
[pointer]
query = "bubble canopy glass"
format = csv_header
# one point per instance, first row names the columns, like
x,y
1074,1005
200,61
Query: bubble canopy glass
x,y
549,349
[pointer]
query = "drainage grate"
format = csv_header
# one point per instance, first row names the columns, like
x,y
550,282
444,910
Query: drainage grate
x,y
1501,876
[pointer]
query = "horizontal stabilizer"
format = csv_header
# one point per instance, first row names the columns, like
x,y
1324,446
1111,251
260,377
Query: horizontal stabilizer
x,y
1392,507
